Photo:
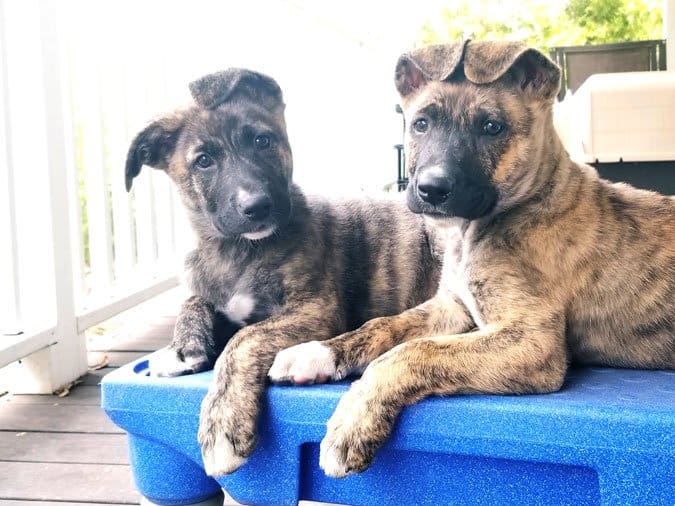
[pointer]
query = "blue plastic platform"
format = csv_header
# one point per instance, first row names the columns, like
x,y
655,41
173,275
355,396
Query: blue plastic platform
x,y
608,437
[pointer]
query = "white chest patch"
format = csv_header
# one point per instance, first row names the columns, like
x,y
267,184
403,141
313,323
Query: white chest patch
x,y
460,288
239,308
455,279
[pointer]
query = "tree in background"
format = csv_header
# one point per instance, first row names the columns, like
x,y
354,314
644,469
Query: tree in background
x,y
545,24
603,21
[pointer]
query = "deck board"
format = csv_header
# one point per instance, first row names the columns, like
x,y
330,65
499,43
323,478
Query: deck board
x,y
14,502
143,343
56,418
64,448
82,394
93,378
115,358
68,482
148,338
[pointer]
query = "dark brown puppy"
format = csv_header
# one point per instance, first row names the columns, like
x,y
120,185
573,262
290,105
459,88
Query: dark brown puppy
x,y
545,263
281,267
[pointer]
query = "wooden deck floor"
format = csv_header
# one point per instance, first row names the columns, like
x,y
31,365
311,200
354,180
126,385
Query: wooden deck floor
x,y
65,451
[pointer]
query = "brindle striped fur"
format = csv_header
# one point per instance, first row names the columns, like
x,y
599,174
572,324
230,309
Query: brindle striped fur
x,y
560,266
328,267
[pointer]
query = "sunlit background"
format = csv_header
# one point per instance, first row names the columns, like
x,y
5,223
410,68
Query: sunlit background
x,y
334,62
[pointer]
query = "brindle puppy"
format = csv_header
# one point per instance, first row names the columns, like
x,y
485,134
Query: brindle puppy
x,y
280,267
545,263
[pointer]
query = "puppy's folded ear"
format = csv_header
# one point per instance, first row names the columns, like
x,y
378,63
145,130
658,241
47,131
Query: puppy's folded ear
x,y
430,63
153,146
485,62
212,90
409,77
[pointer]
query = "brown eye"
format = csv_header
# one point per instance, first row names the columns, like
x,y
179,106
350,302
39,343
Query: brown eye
x,y
204,161
421,125
492,127
262,142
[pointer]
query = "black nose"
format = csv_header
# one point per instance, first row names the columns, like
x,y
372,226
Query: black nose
x,y
433,188
256,207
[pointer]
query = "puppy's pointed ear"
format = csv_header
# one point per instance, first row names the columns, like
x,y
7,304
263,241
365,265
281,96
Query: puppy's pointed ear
x,y
430,63
212,90
153,146
535,73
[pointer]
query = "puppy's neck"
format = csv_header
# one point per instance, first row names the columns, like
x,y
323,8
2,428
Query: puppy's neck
x,y
546,167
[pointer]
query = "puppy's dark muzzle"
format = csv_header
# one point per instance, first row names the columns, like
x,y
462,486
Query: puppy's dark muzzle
x,y
440,192
256,207
433,188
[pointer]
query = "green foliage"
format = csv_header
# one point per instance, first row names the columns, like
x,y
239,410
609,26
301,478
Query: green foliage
x,y
545,24
617,20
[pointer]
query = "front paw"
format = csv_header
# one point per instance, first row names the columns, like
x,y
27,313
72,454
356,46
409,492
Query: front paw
x,y
226,435
303,364
356,430
170,362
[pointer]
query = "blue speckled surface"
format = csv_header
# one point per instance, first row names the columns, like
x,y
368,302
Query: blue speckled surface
x,y
608,437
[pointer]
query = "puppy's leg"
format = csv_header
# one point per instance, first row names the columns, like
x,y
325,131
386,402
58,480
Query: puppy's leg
x,y
349,353
227,429
509,359
199,337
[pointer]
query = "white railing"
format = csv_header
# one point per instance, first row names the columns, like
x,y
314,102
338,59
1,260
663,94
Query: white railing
x,y
76,248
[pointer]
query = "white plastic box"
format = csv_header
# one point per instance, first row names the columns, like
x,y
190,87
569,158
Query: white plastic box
x,y
627,116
